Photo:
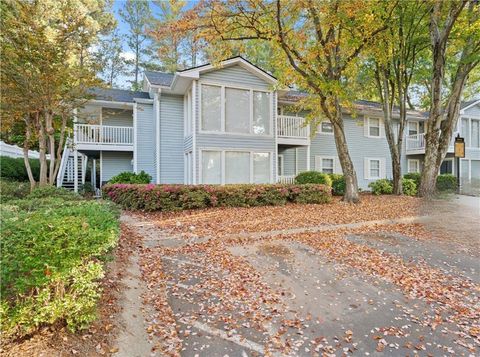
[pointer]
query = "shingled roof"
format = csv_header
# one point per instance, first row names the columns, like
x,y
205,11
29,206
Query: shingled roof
x,y
159,78
117,95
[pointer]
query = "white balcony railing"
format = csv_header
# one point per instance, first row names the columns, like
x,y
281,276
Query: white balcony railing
x,y
103,134
292,127
286,179
416,142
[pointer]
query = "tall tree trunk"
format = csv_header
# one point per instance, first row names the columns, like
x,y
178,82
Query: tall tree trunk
x,y
51,145
42,149
60,145
26,148
351,185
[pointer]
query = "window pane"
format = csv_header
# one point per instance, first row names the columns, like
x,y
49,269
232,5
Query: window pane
x,y
261,113
327,127
412,128
237,167
211,108
374,127
211,167
475,133
374,168
237,110
261,167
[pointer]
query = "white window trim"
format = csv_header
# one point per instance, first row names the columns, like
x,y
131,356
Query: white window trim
x,y
222,109
222,162
320,160
409,161
369,160
379,128
281,158
469,119
325,132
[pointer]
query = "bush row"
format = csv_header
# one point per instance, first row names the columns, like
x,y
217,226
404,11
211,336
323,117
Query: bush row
x,y
53,248
178,197
410,184
14,168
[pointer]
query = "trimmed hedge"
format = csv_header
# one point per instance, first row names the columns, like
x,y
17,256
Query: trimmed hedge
x,y
446,182
131,177
415,176
179,197
338,184
14,168
385,187
313,177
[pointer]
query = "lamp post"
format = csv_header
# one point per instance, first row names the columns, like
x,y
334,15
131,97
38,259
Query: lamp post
x,y
459,151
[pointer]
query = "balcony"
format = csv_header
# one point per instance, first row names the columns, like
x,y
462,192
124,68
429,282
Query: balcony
x,y
292,130
416,144
103,137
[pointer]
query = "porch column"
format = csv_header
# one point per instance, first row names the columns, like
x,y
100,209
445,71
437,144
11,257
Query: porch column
x,y
93,172
308,158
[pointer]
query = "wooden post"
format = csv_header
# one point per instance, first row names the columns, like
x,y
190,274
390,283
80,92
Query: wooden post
x,y
75,170
93,179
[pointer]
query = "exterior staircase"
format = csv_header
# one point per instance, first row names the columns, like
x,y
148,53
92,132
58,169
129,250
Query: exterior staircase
x,y
66,174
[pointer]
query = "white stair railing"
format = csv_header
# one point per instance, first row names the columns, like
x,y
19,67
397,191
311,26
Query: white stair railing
x,y
64,162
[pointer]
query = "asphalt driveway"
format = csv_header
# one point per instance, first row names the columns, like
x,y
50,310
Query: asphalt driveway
x,y
390,283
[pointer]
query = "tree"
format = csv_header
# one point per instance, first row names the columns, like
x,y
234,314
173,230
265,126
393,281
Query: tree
x,y
46,72
454,34
110,58
138,16
176,49
315,45
394,60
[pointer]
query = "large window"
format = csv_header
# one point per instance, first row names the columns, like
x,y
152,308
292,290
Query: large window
x,y
212,167
237,110
231,167
413,127
261,167
326,127
261,113
475,130
211,108
374,168
237,167
234,110
413,165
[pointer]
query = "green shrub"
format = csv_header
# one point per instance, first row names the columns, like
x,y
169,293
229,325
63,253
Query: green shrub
x,y
52,262
313,177
131,177
52,191
177,197
415,176
446,182
338,184
14,168
13,190
381,187
409,187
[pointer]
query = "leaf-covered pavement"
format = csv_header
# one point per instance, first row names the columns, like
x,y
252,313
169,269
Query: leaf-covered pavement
x,y
218,291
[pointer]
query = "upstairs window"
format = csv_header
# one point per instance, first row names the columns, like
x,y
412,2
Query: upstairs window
x,y
235,110
413,128
211,108
374,127
326,127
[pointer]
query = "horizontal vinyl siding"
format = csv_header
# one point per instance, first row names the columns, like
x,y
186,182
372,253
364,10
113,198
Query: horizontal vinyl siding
x,y
359,147
171,139
115,162
474,111
188,143
117,117
146,144
235,75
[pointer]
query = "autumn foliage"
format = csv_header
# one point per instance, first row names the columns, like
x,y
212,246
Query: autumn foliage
x,y
179,197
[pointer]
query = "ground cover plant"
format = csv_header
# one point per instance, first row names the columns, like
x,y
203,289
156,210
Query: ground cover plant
x,y
179,197
53,249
